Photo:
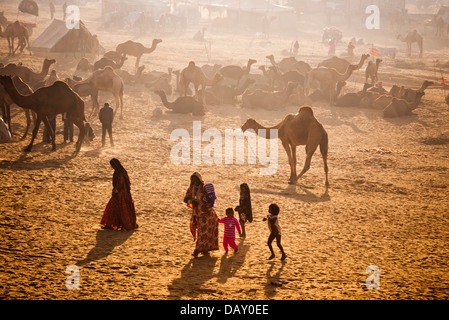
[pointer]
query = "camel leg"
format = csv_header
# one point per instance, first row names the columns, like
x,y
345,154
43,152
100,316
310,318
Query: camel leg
x,y
95,104
36,128
82,130
118,106
310,151
28,116
137,63
51,132
290,161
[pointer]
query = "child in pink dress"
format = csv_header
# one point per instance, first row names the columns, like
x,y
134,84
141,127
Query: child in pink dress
x,y
230,224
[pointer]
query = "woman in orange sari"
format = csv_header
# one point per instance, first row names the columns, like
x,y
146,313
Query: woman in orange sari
x,y
204,220
119,213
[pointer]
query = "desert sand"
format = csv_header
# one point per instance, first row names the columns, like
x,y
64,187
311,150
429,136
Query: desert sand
x,y
387,203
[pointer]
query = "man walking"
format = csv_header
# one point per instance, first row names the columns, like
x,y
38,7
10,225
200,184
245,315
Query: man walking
x,y
106,116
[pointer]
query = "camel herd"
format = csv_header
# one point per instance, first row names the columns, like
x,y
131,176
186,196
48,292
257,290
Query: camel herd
x,y
283,83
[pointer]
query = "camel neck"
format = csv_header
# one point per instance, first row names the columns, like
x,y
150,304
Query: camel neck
x,y
23,101
164,100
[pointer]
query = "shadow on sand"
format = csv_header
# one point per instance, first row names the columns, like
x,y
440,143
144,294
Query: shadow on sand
x,y
107,240
292,192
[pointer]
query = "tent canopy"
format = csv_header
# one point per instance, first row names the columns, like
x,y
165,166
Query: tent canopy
x,y
58,38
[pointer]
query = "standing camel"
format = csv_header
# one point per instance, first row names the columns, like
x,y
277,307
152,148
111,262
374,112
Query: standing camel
x,y
55,99
410,38
6,102
194,74
328,79
295,130
371,71
19,31
106,79
27,74
136,49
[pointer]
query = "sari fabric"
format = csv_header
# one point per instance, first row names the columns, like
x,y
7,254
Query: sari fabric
x,y
120,213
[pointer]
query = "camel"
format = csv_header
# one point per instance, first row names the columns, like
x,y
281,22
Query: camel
x,y
182,105
6,102
236,72
113,55
371,71
84,65
401,107
411,94
55,99
410,38
194,74
352,99
328,78
136,49
267,99
288,76
295,130
340,64
130,78
285,64
103,62
19,31
26,74
106,79
210,70
226,94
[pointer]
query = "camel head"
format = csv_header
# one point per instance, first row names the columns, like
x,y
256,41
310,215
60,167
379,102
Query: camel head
x,y
305,110
49,62
5,80
156,42
250,124
217,78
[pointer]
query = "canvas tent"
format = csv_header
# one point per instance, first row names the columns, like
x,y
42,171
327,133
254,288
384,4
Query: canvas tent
x,y
58,38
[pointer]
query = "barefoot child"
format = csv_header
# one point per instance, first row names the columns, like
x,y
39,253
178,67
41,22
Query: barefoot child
x,y
275,230
244,208
230,224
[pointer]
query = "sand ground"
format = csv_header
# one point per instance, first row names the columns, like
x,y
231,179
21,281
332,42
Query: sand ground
x,y
387,204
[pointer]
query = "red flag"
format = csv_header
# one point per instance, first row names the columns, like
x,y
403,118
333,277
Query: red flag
x,y
442,80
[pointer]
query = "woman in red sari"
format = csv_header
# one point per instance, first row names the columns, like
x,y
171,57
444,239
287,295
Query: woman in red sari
x,y
120,213
204,220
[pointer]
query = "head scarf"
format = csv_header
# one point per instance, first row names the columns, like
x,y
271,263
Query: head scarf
x,y
198,175
118,169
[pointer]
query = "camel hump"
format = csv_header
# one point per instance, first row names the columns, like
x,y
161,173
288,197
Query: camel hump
x,y
306,110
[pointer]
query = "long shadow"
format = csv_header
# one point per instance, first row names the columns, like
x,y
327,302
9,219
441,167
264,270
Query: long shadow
x,y
291,192
24,163
230,263
193,275
273,281
107,240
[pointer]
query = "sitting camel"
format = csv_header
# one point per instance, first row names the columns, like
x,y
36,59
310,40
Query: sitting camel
x,y
6,102
194,74
401,107
136,49
182,105
236,72
352,99
84,65
55,99
340,64
103,62
295,130
262,99
217,95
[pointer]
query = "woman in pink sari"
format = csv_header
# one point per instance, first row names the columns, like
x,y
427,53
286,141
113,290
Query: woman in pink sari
x,y
120,213
204,220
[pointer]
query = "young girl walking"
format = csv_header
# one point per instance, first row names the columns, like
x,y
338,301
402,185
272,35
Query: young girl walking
x,y
230,224
275,230
244,208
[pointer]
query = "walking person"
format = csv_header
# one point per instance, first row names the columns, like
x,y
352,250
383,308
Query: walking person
x,y
204,220
230,225
52,9
119,213
106,116
275,230
244,208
